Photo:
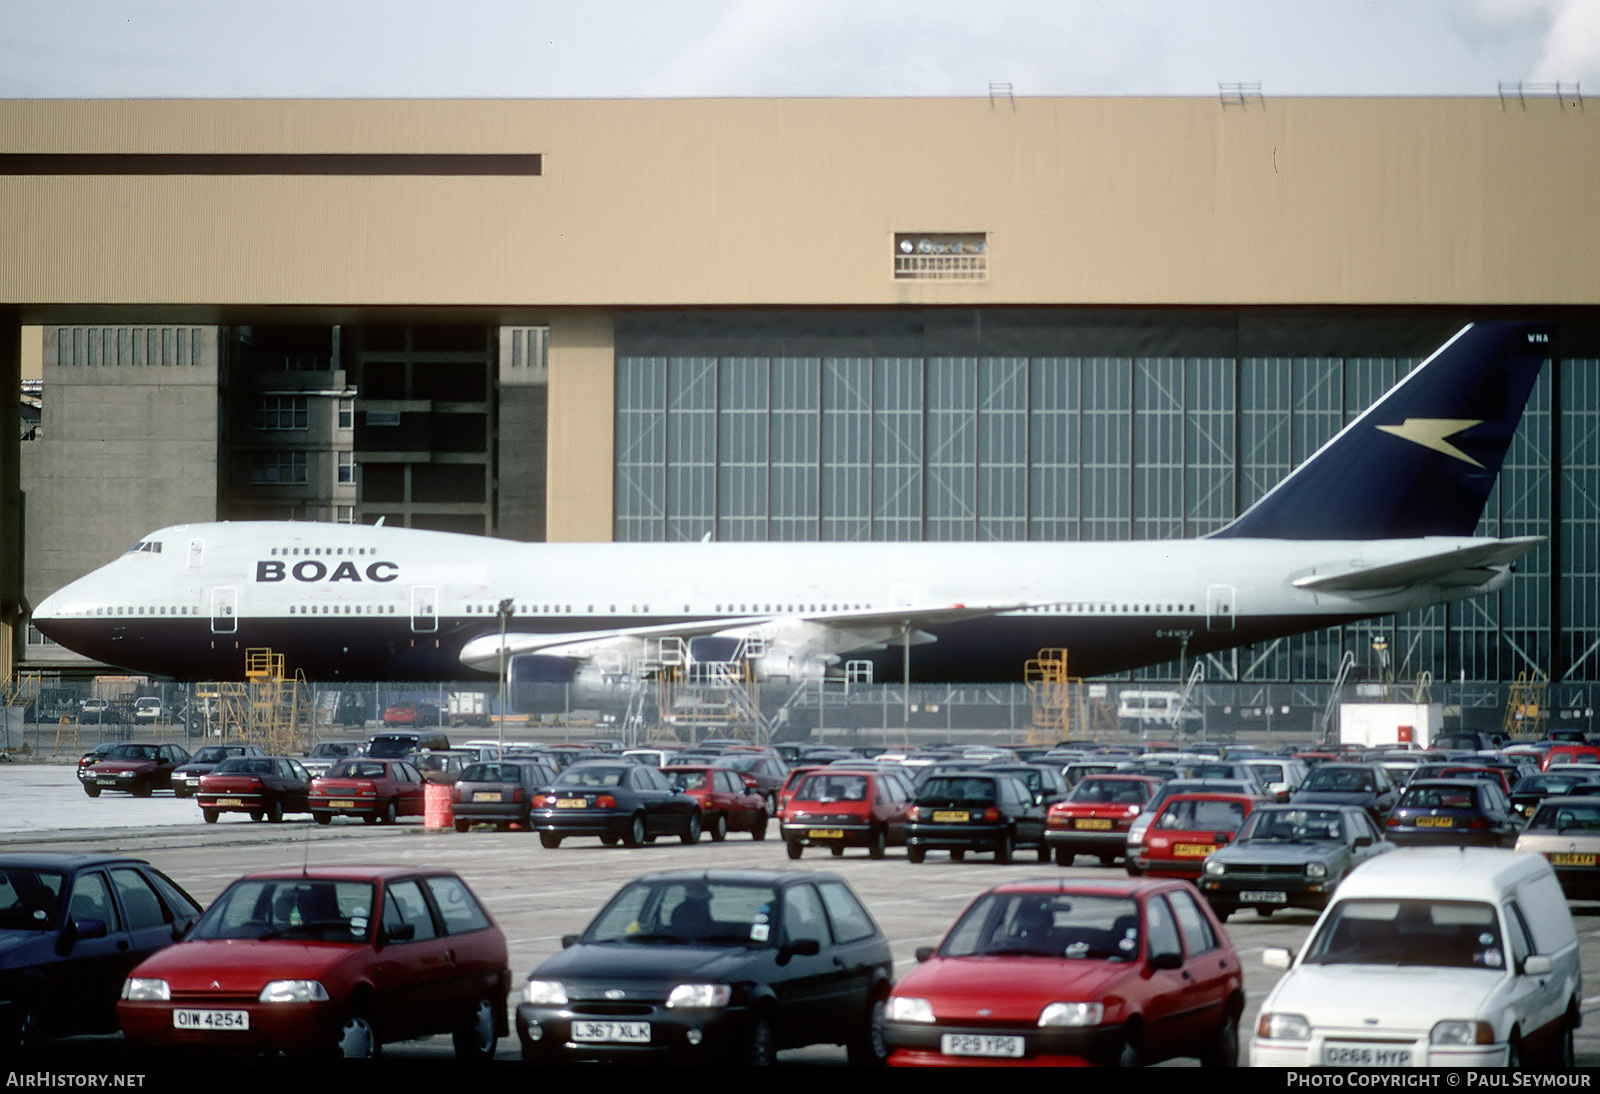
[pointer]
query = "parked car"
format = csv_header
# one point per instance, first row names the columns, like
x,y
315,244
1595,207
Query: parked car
x,y
1046,973
617,800
377,791
324,754
327,960
837,808
763,767
1094,819
1189,827
1430,957
444,767
975,811
94,756
413,714
1366,785
1289,856
1566,831
1528,791
99,710
713,967
147,709
1044,783
135,767
186,779
1456,812
404,744
71,927
266,787
1171,788
499,792
727,802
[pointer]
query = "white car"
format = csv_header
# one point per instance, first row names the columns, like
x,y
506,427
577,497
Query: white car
x,y
1430,957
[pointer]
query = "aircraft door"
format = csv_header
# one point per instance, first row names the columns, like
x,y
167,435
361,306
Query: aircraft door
x,y
197,553
1219,608
424,609
224,610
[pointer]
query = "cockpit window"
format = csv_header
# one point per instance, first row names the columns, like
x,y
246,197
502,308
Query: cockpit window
x,y
148,546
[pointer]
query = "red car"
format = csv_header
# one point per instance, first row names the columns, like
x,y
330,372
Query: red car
x,y
266,787
1094,819
728,801
328,961
1188,828
838,808
1053,973
135,767
377,791
1569,754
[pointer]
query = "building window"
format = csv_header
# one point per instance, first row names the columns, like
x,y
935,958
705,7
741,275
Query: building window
x,y
344,514
281,412
941,256
347,413
278,469
347,468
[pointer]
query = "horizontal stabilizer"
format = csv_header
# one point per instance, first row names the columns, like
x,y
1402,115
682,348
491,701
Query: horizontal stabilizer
x,y
1464,566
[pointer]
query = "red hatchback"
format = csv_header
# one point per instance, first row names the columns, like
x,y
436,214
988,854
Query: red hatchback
x,y
329,962
1188,828
728,801
838,808
374,790
1095,818
1053,973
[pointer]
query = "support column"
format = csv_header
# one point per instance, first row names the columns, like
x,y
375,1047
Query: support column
x,y
11,613
582,408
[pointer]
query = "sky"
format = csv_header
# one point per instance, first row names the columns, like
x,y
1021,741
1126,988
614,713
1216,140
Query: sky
x,y
698,48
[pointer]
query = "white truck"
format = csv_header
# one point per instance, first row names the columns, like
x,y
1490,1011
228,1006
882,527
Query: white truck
x,y
469,708
1402,724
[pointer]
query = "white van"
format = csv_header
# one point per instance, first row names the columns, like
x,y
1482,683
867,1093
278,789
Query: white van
x,y
1430,957
1141,710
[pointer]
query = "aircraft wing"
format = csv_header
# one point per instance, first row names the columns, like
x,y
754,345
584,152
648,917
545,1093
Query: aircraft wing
x,y
850,629
1465,566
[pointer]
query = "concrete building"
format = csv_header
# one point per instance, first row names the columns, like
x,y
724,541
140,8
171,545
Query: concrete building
x,y
790,319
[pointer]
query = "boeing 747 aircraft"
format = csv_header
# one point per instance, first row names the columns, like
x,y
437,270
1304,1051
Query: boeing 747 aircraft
x,y
1379,520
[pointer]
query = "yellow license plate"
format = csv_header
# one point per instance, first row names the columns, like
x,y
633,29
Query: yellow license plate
x,y
826,833
341,805
1098,823
572,803
1565,859
230,801
486,796
1436,822
1193,850
950,816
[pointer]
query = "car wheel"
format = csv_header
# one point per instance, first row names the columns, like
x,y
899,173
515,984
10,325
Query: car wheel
x,y
877,843
549,840
462,824
870,1048
1223,1049
275,813
693,834
91,790
1002,854
180,791
255,815
322,818
635,836
369,818
389,813
1562,1054
958,855
356,1039
1108,860
1131,1054
1514,1057
210,815
916,854
475,1041
719,827
760,830
796,848
610,841
1064,857
1133,868
763,1044
837,850
1044,852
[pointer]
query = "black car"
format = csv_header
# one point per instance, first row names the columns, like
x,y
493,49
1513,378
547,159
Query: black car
x,y
617,800
1045,783
713,966
186,779
266,787
1289,856
71,928
975,811
499,792
1528,791
1363,784
1454,813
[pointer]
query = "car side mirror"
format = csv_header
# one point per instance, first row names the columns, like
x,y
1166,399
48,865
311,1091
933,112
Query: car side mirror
x,y
802,947
1275,957
399,932
923,953
1537,965
1362,841
1166,960
77,930
569,940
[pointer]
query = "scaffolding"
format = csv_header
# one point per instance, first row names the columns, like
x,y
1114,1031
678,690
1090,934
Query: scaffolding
x,y
1062,703
1526,713
267,708
710,698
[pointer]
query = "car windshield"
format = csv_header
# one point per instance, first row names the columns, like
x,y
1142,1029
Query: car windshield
x,y
1440,797
244,765
132,752
391,747
832,788
688,911
357,769
951,788
688,780
492,773
29,898
1187,814
1294,825
1114,791
298,908
1547,784
1568,817
327,751
213,754
1442,933
1071,925
1342,779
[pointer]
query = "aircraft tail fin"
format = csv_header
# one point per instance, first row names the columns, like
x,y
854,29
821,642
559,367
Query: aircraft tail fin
x,y
1421,460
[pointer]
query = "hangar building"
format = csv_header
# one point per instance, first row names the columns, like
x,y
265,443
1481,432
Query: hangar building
x,y
798,319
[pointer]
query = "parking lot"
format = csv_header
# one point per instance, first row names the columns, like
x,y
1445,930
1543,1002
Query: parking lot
x,y
537,895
